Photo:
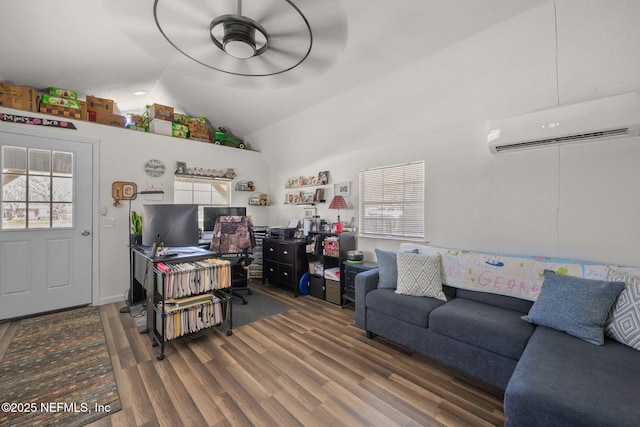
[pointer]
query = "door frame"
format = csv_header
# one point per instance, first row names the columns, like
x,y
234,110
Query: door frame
x,y
66,135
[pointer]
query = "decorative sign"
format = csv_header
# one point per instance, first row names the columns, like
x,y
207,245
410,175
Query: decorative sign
x,y
14,118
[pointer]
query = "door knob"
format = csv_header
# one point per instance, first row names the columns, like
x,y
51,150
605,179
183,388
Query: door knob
x,y
86,233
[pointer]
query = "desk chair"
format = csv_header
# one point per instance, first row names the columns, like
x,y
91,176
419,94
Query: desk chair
x,y
233,239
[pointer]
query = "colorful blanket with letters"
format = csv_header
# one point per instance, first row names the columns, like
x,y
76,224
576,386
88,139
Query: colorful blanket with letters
x,y
516,276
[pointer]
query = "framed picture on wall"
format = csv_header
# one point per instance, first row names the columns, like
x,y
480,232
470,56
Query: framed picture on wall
x,y
342,189
323,178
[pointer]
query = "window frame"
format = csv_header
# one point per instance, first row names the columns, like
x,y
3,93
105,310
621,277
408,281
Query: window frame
x,y
199,180
392,201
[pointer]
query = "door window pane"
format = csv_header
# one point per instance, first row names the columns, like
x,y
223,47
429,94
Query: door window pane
x,y
62,190
39,188
14,159
13,215
39,162
39,196
14,188
62,215
39,215
62,163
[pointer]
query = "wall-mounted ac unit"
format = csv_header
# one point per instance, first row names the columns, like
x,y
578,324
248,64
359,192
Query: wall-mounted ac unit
x,y
606,118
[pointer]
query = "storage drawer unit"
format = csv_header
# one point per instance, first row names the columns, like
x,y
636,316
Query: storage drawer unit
x,y
284,261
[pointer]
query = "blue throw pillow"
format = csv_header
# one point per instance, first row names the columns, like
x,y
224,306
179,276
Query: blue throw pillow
x,y
388,268
574,305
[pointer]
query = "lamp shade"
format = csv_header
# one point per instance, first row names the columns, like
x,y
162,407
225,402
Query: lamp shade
x,y
338,202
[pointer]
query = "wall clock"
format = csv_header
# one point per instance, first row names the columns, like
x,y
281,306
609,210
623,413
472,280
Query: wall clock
x,y
154,168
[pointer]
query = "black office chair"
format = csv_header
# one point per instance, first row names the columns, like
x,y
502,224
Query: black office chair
x,y
233,239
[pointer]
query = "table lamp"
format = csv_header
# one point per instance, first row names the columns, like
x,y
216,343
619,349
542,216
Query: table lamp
x,y
338,203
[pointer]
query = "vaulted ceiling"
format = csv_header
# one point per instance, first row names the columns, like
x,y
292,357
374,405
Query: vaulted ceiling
x,y
113,48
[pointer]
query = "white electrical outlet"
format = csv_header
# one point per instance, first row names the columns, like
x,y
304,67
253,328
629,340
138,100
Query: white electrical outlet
x,y
109,223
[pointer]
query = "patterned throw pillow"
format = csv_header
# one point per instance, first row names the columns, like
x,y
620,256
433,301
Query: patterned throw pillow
x,y
623,323
419,275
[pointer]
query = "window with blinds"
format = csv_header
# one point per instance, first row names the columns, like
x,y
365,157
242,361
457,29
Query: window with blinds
x,y
392,201
201,191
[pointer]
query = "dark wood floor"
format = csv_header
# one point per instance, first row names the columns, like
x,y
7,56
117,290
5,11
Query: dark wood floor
x,y
309,366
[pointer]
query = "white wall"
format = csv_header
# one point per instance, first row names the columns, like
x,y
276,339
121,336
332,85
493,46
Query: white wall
x,y
578,201
123,154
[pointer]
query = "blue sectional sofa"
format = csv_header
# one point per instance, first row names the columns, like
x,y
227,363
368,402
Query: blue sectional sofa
x,y
486,323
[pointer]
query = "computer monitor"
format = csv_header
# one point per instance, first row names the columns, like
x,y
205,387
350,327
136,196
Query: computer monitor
x,y
172,225
212,213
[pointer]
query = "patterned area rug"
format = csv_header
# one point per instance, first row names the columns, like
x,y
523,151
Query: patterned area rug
x,y
57,371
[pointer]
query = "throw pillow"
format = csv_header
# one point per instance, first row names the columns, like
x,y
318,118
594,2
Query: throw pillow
x,y
388,268
419,275
574,305
623,323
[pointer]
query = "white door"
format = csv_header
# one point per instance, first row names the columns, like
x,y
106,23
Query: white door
x,y
46,231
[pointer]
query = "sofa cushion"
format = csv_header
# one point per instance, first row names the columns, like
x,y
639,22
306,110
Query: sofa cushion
x,y
502,301
564,381
486,326
623,323
388,268
410,309
574,305
419,275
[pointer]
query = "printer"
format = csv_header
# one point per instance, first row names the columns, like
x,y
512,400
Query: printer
x,y
282,232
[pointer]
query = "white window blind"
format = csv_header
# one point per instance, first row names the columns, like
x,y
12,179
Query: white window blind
x,y
392,201
201,191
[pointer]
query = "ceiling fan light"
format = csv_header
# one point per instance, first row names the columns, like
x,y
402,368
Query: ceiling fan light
x,y
239,49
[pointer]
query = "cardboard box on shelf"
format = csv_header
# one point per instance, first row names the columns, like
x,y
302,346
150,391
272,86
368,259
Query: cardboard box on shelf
x,y
62,93
60,110
162,112
83,110
26,103
56,100
10,90
180,133
178,127
161,127
100,104
106,118
135,120
19,97
195,126
200,135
